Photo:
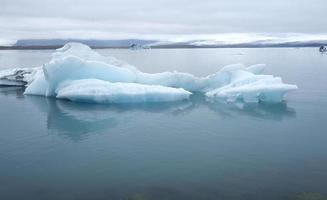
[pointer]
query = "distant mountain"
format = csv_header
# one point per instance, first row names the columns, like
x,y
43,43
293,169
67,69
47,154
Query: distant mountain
x,y
252,44
199,43
54,43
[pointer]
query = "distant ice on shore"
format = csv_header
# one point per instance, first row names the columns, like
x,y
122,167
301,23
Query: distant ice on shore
x,y
78,73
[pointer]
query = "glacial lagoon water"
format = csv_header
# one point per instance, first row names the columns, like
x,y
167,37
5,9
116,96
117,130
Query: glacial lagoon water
x,y
55,149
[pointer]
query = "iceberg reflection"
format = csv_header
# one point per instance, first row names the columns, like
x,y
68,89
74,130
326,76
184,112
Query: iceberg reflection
x,y
75,120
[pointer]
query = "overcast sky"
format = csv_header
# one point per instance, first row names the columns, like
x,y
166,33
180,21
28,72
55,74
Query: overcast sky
x,y
108,19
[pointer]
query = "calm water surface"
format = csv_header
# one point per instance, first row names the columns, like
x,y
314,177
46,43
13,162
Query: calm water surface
x,y
55,149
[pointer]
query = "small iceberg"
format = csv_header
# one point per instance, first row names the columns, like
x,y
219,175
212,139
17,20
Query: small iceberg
x,y
322,49
18,76
78,73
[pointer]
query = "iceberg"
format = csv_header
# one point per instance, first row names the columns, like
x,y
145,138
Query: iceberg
x,y
253,89
18,76
78,73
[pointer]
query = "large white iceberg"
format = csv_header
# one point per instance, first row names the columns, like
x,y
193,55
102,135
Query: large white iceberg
x,y
78,73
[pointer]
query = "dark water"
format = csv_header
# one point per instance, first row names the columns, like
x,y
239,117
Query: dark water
x,y
54,149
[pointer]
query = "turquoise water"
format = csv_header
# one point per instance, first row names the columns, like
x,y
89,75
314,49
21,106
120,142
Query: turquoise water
x,y
55,149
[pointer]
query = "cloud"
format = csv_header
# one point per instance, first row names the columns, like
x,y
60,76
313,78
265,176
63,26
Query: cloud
x,y
108,18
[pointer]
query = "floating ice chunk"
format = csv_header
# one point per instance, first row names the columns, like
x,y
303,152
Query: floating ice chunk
x,y
18,76
77,63
253,89
97,91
